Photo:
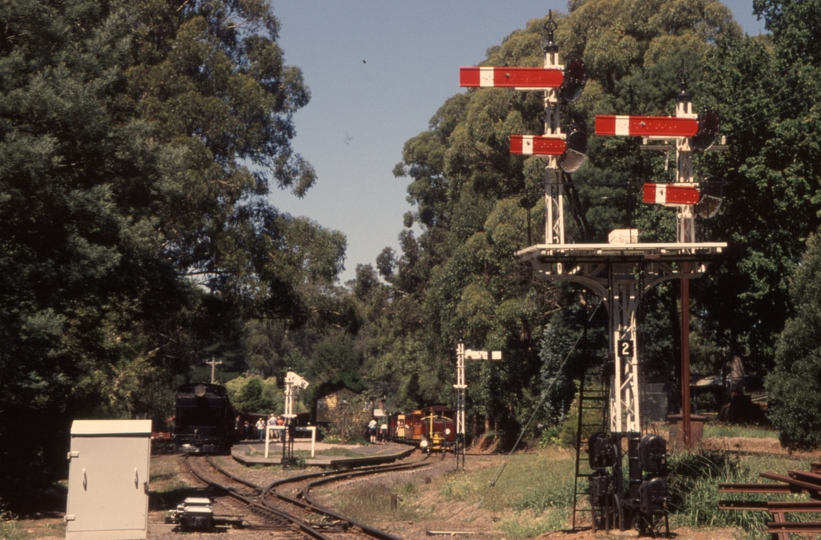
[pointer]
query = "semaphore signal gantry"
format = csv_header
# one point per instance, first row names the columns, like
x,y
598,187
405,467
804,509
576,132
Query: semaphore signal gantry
x,y
610,269
620,270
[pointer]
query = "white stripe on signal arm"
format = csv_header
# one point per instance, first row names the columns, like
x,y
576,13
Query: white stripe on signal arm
x,y
486,76
527,145
622,125
661,193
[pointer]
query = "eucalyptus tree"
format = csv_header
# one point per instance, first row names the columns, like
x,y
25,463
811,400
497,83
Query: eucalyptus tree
x,y
767,287
138,141
794,390
768,89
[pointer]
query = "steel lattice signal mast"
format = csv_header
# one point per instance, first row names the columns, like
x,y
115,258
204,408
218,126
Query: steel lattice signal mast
x,y
687,132
564,148
461,386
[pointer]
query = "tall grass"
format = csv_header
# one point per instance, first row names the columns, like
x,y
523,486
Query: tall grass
x,y
10,531
536,490
693,482
369,503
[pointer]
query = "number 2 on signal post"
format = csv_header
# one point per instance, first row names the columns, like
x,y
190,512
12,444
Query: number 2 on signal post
x,y
626,347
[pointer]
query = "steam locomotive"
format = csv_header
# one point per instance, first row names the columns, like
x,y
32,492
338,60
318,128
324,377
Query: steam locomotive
x,y
204,422
432,428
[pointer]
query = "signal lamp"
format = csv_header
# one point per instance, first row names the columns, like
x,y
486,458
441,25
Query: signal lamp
x,y
653,496
600,450
575,77
708,125
652,454
710,201
575,149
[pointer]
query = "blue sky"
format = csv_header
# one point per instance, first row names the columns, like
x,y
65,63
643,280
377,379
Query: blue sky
x,y
378,70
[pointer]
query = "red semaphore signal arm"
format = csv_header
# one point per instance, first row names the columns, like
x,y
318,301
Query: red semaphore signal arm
x,y
510,77
645,126
536,145
671,194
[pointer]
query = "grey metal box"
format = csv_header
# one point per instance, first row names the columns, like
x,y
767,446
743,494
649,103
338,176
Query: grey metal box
x,y
108,480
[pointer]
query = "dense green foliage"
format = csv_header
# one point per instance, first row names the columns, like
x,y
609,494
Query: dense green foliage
x,y
795,383
137,143
770,90
767,91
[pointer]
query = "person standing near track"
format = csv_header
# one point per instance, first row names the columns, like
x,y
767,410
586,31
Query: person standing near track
x,y
372,430
272,421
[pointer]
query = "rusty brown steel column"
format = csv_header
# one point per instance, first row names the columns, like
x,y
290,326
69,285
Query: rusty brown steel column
x,y
685,354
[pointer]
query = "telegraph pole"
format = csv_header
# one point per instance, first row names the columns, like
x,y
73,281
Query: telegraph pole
x,y
214,364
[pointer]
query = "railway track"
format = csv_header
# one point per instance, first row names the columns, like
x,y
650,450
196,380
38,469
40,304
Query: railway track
x,y
285,508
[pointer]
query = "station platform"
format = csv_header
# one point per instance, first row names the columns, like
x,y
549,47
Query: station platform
x,y
252,452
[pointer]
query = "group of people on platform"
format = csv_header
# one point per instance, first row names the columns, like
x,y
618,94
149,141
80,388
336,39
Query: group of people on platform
x,y
380,435
258,429
376,432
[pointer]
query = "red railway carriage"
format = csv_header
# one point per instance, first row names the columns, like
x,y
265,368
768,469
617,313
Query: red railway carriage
x,y
432,427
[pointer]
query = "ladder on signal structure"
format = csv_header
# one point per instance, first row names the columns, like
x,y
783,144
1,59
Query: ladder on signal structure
x,y
593,404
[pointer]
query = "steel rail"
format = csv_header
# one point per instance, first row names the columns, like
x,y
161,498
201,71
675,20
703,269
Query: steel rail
x,y
350,472
743,505
233,477
756,488
789,507
812,477
375,470
376,533
799,484
256,506
794,506
228,490
326,477
793,527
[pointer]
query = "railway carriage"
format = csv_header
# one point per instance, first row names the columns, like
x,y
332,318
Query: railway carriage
x,y
432,428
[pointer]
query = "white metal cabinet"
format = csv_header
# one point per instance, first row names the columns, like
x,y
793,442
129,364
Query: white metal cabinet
x,y
108,480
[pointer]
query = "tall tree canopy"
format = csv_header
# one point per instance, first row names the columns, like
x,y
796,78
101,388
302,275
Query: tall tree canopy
x,y
795,396
777,172
473,200
138,140
767,90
